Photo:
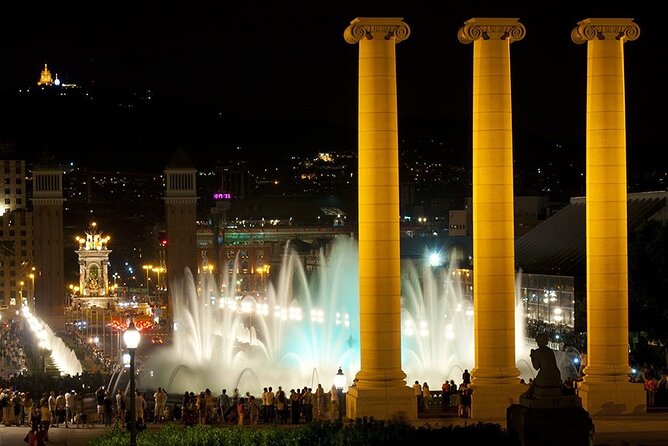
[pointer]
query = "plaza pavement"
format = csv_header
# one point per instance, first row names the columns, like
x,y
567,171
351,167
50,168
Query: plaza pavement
x,y
646,429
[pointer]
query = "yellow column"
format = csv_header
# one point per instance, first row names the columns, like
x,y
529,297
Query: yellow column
x,y
495,377
381,390
605,389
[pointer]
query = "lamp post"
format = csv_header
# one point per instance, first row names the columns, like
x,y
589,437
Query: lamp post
x,y
339,382
131,339
31,295
158,270
147,268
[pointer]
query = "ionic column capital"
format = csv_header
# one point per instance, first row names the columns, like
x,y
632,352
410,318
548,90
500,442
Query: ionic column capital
x,y
387,28
605,29
491,28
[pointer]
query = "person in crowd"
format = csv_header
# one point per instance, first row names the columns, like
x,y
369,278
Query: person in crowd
x,y
465,393
100,393
253,411
53,408
426,396
417,391
120,406
241,411
320,401
466,377
160,397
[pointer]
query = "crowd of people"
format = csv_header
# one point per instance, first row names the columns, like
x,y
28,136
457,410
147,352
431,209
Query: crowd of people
x,y
12,355
453,397
272,406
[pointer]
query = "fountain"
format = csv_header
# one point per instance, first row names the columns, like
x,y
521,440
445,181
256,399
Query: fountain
x,y
63,357
300,328
307,325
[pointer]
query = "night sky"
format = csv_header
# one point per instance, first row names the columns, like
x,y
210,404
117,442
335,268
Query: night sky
x,y
287,62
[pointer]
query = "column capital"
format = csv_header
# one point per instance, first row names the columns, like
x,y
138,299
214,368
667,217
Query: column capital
x,y
388,28
605,29
491,28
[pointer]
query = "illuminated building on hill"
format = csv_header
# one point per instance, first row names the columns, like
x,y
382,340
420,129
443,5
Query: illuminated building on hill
x,y
45,78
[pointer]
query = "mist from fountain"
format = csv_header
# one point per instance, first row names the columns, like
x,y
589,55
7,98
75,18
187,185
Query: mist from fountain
x,y
306,325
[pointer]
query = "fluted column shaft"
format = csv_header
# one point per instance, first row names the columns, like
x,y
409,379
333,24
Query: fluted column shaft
x,y
379,261
493,215
607,260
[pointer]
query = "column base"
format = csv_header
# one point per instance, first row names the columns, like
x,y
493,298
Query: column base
x,y
610,398
490,401
389,403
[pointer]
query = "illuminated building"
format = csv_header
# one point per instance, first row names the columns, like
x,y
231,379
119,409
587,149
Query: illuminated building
x,y
16,238
93,268
45,79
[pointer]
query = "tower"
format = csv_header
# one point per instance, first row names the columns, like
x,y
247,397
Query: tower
x,y
181,217
48,243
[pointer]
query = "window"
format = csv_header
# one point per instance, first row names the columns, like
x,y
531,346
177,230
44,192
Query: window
x,y
8,201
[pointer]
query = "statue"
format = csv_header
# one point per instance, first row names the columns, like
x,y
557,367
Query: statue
x,y
548,380
547,413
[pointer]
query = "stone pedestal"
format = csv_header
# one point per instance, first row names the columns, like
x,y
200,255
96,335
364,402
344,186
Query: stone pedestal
x,y
547,421
382,404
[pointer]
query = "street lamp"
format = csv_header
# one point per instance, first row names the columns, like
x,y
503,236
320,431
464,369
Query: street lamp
x,y
158,270
339,382
131,339
31,295
147,268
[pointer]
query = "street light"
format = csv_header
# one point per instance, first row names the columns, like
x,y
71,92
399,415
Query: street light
x,y
131,339
339,382
147,268
158,270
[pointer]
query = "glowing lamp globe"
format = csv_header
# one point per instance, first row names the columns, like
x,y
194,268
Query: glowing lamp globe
x,y
339,379
131,336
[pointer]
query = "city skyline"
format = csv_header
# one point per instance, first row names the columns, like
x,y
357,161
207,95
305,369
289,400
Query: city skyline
x,y
287,72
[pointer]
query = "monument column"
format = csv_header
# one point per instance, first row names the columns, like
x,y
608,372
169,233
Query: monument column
x,y
495,377
605,388
381,390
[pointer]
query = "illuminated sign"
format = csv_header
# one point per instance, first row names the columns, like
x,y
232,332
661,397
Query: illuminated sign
x,y
222,196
